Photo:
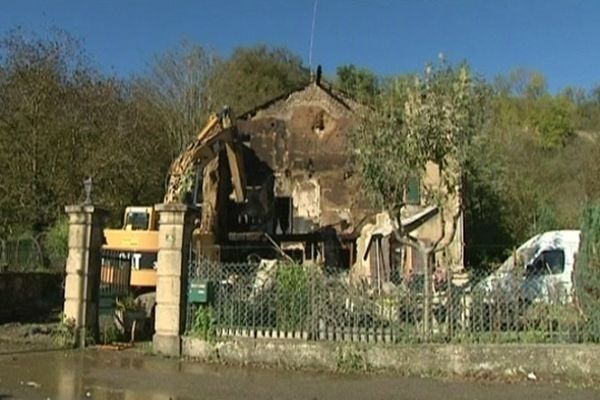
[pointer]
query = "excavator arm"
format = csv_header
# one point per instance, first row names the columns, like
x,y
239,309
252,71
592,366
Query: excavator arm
x,y
219,132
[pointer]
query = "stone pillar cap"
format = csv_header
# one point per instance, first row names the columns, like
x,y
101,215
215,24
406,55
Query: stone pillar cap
x,y
84,208
174,207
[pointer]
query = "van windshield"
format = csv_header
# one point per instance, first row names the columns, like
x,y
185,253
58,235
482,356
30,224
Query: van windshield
x,y
518,259
548,263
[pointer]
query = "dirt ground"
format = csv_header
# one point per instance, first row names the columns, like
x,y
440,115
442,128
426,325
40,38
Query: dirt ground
x,y
102,374
16,336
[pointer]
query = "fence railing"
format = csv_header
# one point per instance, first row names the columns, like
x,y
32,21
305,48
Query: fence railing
x,y
24,254
270,299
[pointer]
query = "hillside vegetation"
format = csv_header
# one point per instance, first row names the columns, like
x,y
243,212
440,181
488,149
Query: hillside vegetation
x,y
62,120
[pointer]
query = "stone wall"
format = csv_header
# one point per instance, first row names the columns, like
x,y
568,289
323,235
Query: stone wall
x,y
519,361
28,295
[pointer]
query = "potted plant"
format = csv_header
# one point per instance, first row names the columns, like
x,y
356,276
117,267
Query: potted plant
x,y
130,316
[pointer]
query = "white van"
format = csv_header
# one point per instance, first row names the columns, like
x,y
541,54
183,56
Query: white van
x,y
540,270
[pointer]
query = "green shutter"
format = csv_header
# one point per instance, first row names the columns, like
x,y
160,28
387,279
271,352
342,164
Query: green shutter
x,y
413,191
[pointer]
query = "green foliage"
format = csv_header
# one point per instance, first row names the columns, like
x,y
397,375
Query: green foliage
x,y
587,270
360,83
128,303
110,334
61,121
531,168
203,323
544,219
64,333
553,318
552,122
255,75
56,243
351,360
530,171
523,83
292,299
429,120
522,100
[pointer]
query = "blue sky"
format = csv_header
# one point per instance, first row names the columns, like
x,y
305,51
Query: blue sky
x,y
559,38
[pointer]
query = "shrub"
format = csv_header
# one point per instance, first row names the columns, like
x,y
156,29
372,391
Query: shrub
x,y
587,271
553,321
203,324
292,296
128,303
64,333
110,334
56,243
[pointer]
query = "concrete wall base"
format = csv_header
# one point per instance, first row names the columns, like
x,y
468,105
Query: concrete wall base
x,y
166,345
523,361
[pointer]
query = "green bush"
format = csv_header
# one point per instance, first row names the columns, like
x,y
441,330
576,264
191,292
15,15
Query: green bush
x,y
110,334
56,243
292,298
553,322
64,333
587,270
128,303
203,324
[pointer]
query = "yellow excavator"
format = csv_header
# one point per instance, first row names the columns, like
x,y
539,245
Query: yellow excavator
x,y
137,239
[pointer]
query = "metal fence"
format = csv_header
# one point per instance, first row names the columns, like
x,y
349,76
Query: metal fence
x,y
279,300
22,254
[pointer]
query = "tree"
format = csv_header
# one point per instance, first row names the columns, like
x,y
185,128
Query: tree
x,y
552,121
188,83
531,172
60,122
177,91
522,83
253,76
361,83
432,120
37,128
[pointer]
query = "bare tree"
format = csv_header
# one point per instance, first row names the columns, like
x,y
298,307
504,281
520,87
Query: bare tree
x,y
177,88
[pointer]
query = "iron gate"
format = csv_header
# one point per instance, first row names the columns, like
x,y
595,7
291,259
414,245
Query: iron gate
x,y
115,277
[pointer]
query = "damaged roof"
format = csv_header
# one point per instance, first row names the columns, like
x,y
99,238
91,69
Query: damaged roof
x,y
342,98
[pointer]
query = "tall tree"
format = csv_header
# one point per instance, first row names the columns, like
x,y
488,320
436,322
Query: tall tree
x,y
432,120
255,75
361,83
177,90
61,121
37,129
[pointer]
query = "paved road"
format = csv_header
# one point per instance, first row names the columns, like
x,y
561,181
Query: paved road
x,y
130,376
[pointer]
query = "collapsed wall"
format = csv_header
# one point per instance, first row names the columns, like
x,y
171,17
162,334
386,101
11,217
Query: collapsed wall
x,y
301,189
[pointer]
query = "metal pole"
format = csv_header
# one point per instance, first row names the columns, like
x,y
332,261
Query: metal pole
x,y
427,293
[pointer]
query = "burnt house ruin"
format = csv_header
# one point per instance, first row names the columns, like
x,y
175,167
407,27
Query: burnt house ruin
x,y
302,197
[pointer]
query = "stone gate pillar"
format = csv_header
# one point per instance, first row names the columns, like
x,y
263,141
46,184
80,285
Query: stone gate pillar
x,y
86,224
174,234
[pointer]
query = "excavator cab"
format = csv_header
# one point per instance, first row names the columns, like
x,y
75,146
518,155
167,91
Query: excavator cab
x,y
139,219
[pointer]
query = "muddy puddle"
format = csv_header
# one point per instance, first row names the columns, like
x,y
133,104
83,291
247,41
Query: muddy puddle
x,y
128,375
